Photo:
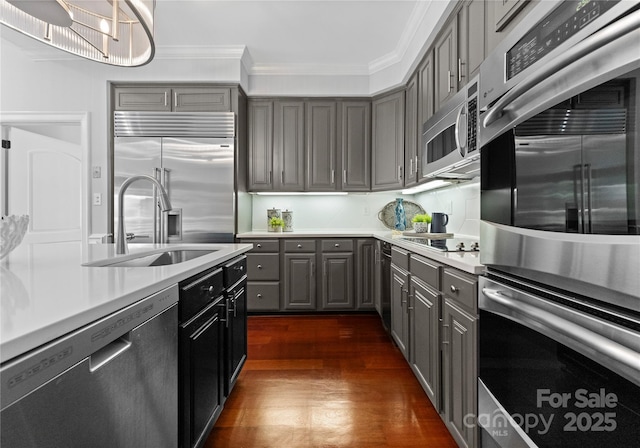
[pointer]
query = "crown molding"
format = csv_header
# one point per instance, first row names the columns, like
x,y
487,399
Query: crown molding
x,y
200,52
308,70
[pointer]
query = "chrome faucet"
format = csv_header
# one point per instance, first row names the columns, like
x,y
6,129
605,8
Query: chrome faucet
x,y
165,205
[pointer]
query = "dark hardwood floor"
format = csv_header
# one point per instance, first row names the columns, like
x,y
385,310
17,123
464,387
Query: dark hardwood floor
x,y
326,381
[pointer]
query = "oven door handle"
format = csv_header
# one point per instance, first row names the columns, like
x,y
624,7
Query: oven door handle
x,y
601,346
623,26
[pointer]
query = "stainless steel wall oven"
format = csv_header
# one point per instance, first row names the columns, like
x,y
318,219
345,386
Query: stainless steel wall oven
x,y
559,306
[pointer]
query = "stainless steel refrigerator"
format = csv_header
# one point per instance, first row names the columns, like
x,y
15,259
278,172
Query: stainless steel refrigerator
x,y
192,155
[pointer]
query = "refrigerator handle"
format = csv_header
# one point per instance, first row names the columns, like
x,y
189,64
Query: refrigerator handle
x,y
587,193
578,195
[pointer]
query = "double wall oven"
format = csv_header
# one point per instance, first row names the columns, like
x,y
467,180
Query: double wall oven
x,y
559,330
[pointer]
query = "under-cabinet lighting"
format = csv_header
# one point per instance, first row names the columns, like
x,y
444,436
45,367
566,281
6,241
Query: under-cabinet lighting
x,y
432,185
301,193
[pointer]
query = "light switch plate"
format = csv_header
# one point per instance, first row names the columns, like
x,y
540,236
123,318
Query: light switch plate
x,y
97,172
97,199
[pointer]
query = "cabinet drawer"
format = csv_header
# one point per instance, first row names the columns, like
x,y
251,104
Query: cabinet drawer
x,y
264,245
426,270
263,296
341,245
263,266
461,287
234,270
400,257
300,245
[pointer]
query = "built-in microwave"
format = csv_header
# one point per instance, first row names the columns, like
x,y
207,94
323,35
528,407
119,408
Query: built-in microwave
x,y
449,139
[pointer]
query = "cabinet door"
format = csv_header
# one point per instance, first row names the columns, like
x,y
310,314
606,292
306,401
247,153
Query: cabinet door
x,y
355,145
446,61
365,274
237,335
260,145
288,145
471,49
201,99
377,276
425,343
459,371
388,142
321,145
143,98
426,96
399,314
337,281
411,133
299,281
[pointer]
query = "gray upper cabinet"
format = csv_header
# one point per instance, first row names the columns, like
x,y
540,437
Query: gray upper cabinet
x,y
260,145
176,99
355,145
446,64
411,131
426,93
201,99
320,126
288,146
472,45
388,142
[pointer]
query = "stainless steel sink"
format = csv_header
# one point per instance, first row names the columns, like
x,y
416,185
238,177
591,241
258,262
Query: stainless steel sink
x,y
156,259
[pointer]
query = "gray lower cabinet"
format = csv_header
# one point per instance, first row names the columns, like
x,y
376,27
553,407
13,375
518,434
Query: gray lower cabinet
x,y
337,281
299,289
460,355
365,274
387,168
399,309
263,275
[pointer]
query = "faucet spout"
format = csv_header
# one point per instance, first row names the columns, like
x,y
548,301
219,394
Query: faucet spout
x,y
165,205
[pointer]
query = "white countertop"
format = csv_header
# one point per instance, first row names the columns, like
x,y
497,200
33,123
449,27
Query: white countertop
x,y
46,292
465,261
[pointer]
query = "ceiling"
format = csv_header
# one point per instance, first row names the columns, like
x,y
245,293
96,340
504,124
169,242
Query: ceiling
x,y
327,35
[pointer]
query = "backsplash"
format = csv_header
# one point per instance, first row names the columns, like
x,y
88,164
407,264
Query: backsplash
x,y
360,210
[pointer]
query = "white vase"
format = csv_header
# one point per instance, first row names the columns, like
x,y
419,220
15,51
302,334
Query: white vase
x,y
421,227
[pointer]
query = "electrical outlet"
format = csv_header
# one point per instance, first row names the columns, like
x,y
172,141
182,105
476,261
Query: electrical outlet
x,y
366,211
97,199
97,172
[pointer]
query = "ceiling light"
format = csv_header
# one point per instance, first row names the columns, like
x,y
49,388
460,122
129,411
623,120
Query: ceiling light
x,y
116,32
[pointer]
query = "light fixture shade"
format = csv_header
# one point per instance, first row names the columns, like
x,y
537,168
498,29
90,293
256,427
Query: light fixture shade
x,y
115,32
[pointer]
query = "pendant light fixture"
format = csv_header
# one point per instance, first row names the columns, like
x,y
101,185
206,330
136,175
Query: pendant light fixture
x,y
115,32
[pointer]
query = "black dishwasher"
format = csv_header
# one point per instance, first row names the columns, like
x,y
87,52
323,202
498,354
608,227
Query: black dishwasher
x,y
201,373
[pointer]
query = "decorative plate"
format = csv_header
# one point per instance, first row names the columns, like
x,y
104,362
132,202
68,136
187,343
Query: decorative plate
x,y
388,213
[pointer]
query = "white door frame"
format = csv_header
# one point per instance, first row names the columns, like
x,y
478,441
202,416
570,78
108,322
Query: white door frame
x,y
8,119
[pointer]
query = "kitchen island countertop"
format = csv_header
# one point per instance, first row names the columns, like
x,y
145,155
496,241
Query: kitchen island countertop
x,y
47,292
465,261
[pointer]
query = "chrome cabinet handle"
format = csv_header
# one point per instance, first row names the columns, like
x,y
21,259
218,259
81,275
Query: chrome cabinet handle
x,y
623,26
336,245
449,81
258,245
165,98
344,177
454,289
460,64
175,98
333,176
259,296
411,166
299,246
259,266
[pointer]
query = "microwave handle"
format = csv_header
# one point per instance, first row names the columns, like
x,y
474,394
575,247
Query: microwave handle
x,y
461,126
623,26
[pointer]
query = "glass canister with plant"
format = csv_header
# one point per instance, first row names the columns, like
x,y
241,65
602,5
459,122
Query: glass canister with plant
x,y
421,223
276,223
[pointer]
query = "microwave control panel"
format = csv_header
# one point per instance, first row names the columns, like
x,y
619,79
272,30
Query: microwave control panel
x,y
562,23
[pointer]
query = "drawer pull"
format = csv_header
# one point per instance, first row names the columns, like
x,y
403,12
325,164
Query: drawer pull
x,y
299,246
258,246
454,289
259,296
336,245
259,266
